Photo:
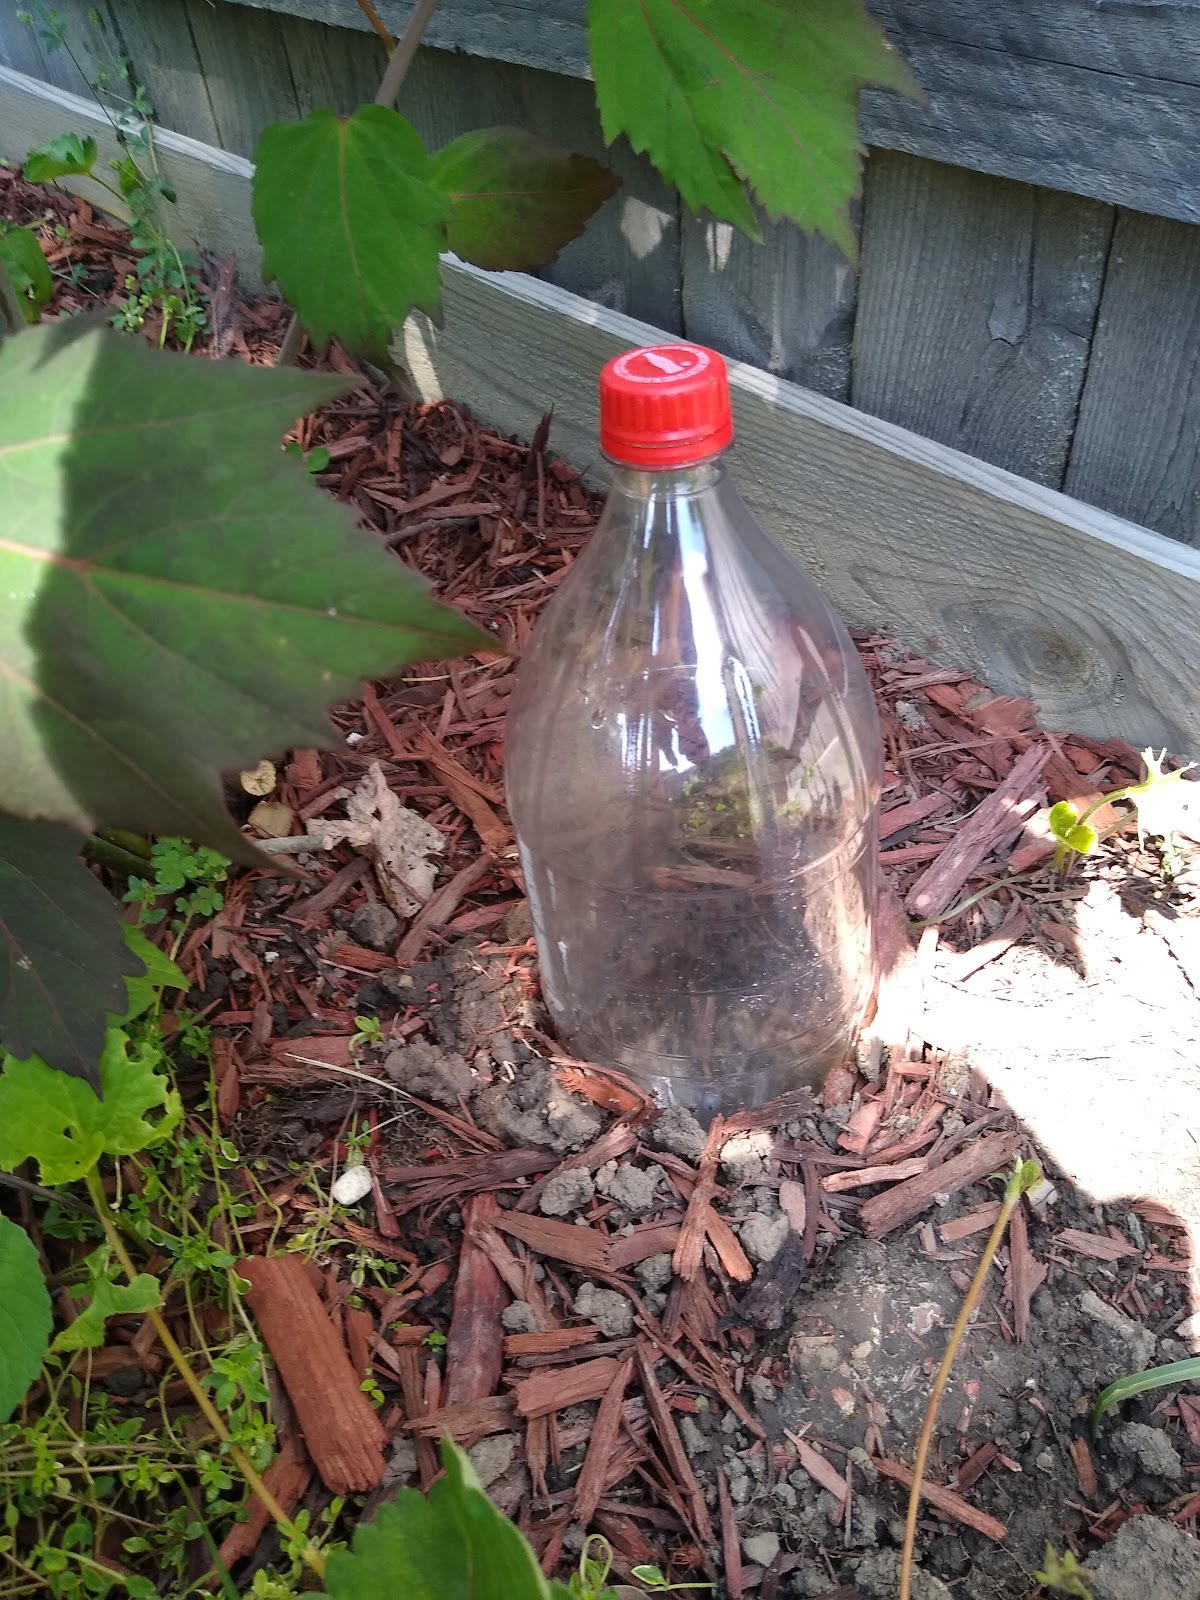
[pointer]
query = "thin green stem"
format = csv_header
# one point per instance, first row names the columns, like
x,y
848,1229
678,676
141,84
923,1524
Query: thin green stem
x,y
212,1416
1024,1176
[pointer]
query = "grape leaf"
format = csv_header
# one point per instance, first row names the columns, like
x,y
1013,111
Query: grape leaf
x,y
63,962
63,1124
67,156
177,599
28,270
451,1544
722,94
349,225
108,1299
517,199
25,1319
161,973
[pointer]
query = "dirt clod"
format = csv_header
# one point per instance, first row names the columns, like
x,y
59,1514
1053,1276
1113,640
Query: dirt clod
x,y
534,1109
519,1318
762,1236
493,1456
1147,1556
566,1192
1149,1448
610,1311
630,1186
677,1131
422,1069
745,1159
1139,1341
761,1548
375,925
878,1575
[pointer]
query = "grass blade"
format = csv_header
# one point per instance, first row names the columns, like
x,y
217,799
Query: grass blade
x,y
1138,1382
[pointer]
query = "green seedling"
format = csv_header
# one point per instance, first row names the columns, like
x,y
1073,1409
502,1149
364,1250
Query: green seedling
x,y
368,1034
1139,1382
1063,1572
1165,807
657,1582
315,460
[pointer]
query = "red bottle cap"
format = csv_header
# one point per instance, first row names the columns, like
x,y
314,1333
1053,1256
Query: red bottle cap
x,y
664,406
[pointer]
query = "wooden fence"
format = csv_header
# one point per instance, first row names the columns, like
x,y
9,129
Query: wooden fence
x,y
1029,287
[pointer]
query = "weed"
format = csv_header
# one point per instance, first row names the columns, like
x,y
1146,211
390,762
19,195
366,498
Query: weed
x,y
314,461
368,1033
1165,807
164,280
191,875
1139,1382
1064,1574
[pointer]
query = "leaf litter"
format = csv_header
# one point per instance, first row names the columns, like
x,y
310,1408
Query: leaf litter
x,y
772,1394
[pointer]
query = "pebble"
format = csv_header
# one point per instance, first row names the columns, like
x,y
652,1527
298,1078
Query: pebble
x,y
352,1185
761,1548
375,925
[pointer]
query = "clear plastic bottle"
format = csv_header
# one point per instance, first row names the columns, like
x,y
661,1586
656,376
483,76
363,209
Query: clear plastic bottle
x,y
693,761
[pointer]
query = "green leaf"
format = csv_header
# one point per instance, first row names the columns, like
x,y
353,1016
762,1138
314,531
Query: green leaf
x,y
25,1319
66,1128
517,199
108,1300
349,225
725,94
1069,831
1138,1382
412,1548
161,973
67,156
177,598
451,1544
28,270
502,1563
63,963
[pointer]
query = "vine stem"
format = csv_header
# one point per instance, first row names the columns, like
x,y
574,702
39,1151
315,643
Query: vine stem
x,y
311,1554
394,75
376,21
1024,1176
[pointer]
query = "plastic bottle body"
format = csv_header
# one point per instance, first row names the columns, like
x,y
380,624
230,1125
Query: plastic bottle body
x,y
693,767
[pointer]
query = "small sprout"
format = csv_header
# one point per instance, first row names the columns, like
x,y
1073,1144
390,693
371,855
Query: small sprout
x,y
435,1340
1139,1382
369,1033
655,1580
1070,832
1064,1574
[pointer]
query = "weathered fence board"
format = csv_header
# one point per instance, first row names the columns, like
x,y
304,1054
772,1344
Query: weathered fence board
x,y
1102,100
1135,447
246,70
786,305
1092,615
160,42
976,309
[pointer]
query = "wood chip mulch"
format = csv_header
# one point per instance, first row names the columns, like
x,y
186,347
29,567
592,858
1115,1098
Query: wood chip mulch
x,y
451,1229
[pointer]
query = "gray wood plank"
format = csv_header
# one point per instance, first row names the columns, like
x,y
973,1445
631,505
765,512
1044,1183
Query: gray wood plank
x,y
1099,99
976,309
330,66
1137,445
1042,595
245,66
628,257
157,37
786,305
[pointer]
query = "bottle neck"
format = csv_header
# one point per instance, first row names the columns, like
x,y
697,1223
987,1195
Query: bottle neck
x,y
674,484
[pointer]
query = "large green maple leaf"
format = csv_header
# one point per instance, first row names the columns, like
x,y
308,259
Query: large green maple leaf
x,y
25,1316
177,599
725,95
350,227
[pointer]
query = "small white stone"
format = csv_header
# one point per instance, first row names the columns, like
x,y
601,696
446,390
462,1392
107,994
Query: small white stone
x,y
761,1548
352,1186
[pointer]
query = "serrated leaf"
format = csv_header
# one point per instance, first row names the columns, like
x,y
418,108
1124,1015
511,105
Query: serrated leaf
x,y
516,199
63,961
108,1300
27,268
66,1128
724,94
412,1548
451,1544
161,973
349,224
177,599
67,156
25,1317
